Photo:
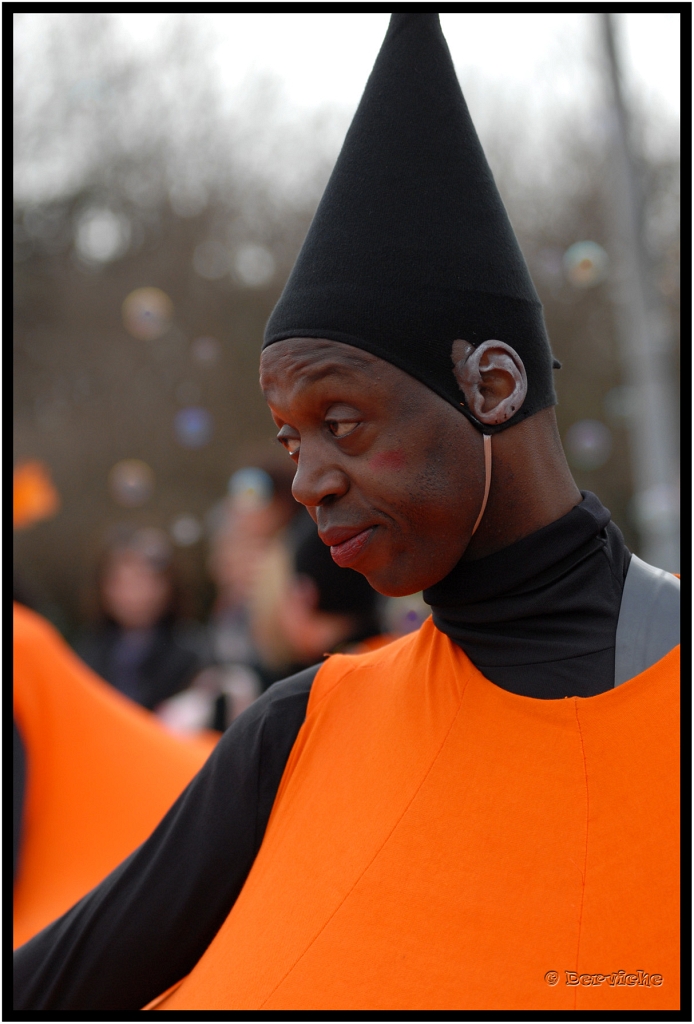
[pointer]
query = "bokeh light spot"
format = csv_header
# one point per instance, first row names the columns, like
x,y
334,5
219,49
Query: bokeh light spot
x,y
620,403
147,313
206,351
131,482
586,264
102,235
193,427
186,530
154,545
251,488
656,508
254,266
405,614
588,444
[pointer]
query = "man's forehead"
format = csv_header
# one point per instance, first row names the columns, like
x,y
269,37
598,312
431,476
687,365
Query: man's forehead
x,y
314,359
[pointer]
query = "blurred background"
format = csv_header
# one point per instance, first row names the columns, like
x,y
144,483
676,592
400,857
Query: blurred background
x,y
166,170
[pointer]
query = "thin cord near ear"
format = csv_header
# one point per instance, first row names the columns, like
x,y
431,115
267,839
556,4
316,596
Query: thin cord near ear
x,y
487,438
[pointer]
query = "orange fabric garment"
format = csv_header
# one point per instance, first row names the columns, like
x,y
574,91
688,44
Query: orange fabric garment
x,y
373,643
440,843
101,773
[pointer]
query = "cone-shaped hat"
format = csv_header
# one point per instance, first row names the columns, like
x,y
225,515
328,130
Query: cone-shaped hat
x,y
411,246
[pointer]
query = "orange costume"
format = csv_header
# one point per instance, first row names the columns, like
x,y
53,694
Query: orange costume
x,y
486,851
101,773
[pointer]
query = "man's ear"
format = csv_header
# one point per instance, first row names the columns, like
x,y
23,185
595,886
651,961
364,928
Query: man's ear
x,y
492,378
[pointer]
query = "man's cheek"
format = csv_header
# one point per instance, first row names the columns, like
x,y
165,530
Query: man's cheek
x,y
388,461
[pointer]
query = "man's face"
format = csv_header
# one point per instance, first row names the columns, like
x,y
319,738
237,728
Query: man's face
x,y
391,473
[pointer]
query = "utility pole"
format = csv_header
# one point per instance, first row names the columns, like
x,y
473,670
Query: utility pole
x,y
644,337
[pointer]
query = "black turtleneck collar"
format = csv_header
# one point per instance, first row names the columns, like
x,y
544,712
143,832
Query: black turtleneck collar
x,y
539,617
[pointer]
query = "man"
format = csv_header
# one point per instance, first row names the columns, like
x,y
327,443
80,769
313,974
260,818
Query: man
x,y
483,811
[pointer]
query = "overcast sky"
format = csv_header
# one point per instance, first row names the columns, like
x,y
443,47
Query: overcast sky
x,y
326,58
522,74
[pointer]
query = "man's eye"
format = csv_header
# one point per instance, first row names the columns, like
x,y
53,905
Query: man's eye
x,y
343,428
290,443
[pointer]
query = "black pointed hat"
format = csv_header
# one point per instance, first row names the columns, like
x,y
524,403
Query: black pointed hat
x,y
411,246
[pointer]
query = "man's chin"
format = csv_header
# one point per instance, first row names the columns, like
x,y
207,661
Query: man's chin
x,y
389,572
394,580
388,583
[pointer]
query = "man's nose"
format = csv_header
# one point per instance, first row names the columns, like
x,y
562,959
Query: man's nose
x,y
317,480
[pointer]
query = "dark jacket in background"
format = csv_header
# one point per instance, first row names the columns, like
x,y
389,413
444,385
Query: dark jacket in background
x,y
147,665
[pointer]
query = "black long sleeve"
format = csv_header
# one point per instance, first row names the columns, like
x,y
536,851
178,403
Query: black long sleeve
x,y
149,922
18,787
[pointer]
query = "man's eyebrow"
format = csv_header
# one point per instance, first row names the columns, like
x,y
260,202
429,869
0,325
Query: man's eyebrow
x,y
312,372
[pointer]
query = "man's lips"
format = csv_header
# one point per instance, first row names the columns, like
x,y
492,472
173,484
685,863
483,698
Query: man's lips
x,y
346,545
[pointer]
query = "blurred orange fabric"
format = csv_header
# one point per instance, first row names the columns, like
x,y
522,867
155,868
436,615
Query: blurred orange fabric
x,y
34,496
101,773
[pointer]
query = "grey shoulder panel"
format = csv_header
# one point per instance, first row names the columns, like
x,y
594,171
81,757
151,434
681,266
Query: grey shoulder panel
x,y
649,619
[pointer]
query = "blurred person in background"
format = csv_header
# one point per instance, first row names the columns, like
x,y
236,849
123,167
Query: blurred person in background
x,y
301,607
139,643
305,607
259,506
258,510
